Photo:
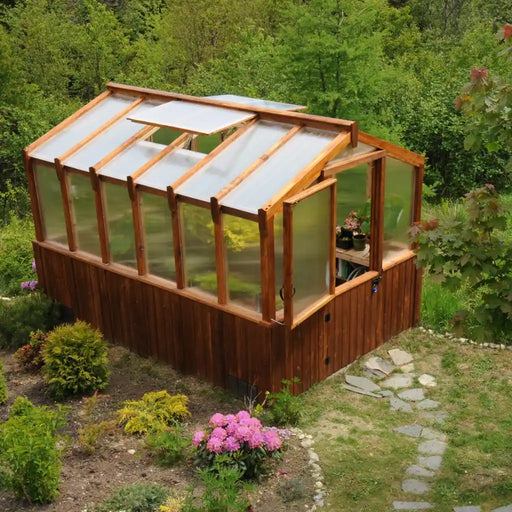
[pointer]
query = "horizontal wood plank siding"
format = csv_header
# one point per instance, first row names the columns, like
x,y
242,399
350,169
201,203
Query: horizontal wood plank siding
x,y
202,340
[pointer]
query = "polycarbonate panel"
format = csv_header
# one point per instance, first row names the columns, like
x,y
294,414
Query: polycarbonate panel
x,y
50,204
158,238
169,169
259,187
118,212
81,128
350,152
279,258
192,117
84,212
256,102
353,190
242,239
129,160
311,249
199,248
233,160
398,202
107,141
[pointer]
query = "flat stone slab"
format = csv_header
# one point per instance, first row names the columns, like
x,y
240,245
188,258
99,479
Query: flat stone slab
x,y
385,392
361,382
399,405
400,357
506,508
430,433
470,508
429,381
412,395
432,462
398,381
410,430
415,486
436,416
411,505
407,368
432,447
377,363
419,471
428,404
360,391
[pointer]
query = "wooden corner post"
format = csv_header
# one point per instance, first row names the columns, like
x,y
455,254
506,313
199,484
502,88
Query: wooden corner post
x,y
267,265
377,214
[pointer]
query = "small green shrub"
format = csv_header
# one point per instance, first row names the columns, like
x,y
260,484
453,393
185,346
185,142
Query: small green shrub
x,y
30,461
135,498
24,314
284,408
15,255
154,412
291,490
30,356
75,360
3,385
167,447
91,434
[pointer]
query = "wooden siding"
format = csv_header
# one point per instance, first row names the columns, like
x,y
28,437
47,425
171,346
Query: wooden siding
x,y
202,340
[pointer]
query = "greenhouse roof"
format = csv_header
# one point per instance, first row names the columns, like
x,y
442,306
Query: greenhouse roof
x,y
265,152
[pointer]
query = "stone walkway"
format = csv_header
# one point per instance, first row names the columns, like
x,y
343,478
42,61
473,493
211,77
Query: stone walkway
x,y
405,396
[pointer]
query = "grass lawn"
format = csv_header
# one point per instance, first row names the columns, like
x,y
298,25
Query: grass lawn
x,y
364,460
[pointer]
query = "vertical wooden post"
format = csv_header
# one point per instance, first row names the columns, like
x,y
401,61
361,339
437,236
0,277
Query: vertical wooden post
x,y
100,215
267,265
177,238
220,253
66,203
377,214
416,217
34,199
137,227
288,262
332,242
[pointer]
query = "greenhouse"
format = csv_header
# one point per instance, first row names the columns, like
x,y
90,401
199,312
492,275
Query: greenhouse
x,y
238,239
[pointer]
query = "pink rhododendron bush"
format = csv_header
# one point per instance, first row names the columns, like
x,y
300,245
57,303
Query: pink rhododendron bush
x,y
239,441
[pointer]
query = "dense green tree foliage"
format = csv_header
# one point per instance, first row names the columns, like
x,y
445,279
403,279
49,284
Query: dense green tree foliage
x,y
396,66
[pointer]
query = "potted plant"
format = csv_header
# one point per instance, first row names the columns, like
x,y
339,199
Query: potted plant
x,y
343,238
359,241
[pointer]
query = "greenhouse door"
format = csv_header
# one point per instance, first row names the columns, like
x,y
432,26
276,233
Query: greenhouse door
x,y
309,244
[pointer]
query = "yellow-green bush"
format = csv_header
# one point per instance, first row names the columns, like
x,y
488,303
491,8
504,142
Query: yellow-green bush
x,y
155,412
75,360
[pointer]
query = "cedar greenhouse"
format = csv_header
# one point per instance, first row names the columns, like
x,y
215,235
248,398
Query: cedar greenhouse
x,y
203,232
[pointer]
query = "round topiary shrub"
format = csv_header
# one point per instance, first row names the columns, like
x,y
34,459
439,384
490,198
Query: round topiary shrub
x,y
75,360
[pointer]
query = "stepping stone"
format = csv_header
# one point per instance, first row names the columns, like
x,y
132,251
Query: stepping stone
x,y
411,505
400,357
432,462
374,374
377,363
415,486
436,416
399,405
428,404
413,395
429,433
429,381
419,471
398,381
506,508
386,392
471,508
407,368
361,391
361,382
433,447
410,430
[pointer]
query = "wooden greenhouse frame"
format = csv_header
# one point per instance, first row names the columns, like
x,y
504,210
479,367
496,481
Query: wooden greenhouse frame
x,y
101,168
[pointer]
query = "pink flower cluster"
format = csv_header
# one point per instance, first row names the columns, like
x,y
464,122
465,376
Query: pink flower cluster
x,y
28,285
236,431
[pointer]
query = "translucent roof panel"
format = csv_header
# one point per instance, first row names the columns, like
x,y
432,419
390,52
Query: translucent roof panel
x,y
256,102
129,160
350,152
169,169
260,186
81,128
192,117
228,164
107,141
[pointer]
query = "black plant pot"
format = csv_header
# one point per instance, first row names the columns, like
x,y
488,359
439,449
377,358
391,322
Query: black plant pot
x,y
344,243
359,242
346,233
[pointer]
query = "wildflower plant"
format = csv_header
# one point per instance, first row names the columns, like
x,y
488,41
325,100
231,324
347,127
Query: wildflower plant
x,y
239,441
